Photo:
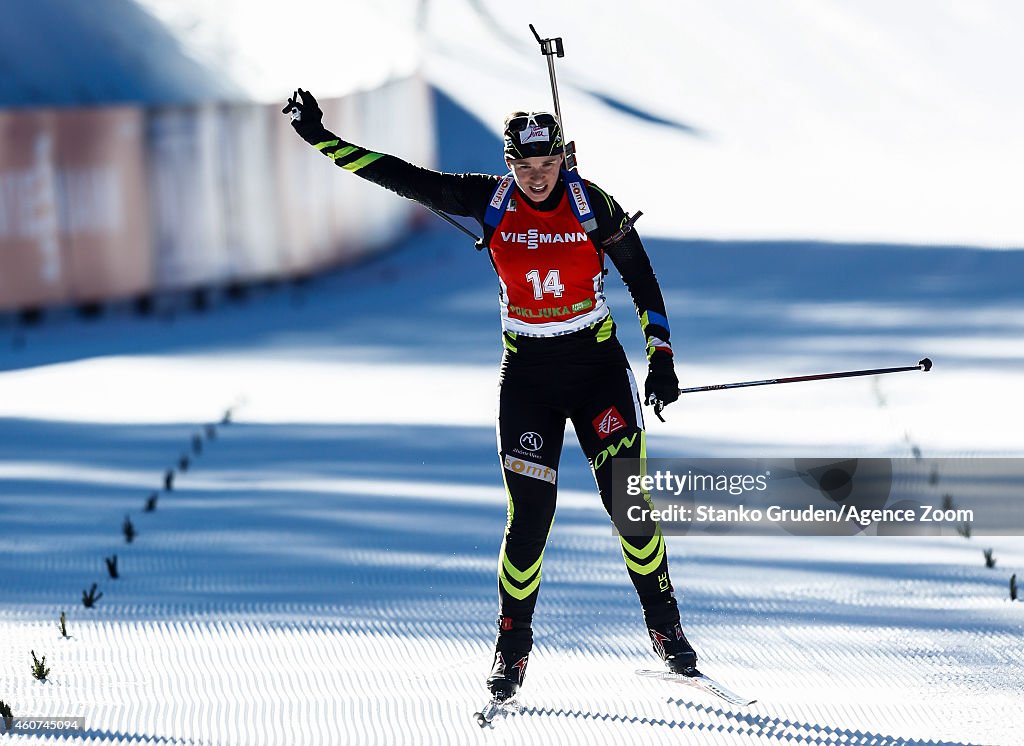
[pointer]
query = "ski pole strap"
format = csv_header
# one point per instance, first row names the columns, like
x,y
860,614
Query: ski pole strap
x,y
658,405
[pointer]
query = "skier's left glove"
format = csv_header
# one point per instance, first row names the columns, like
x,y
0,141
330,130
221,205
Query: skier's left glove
x,y
662,385
307,118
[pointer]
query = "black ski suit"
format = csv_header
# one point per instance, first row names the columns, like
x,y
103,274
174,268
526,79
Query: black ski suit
x,y
566,370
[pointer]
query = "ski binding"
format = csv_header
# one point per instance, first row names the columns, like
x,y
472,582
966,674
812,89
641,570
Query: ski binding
x,y
496,708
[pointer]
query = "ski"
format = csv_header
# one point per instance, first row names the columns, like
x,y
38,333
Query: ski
x,y
697,680
496,708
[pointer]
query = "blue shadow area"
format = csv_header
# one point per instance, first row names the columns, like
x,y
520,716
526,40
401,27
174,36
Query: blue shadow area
x,y
352,525
829,272
733,299
120,55
465,144
434,299
645,116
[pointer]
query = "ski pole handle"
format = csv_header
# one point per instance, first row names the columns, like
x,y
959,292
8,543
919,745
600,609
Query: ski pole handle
x,y
658,405
549,47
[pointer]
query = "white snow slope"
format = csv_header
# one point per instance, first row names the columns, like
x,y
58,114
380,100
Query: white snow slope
x,y
323,570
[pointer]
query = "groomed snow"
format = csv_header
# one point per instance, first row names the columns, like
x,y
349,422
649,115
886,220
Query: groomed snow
x,y
324,571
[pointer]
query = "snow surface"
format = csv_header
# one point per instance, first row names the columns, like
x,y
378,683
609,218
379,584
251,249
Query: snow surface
x,y
323,572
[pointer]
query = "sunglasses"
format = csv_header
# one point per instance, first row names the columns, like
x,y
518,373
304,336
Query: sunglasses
x,y
536,119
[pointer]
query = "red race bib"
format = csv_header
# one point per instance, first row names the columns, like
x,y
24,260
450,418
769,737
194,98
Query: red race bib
x,y
550,271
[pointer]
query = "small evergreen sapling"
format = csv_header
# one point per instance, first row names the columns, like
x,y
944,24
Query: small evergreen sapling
x,y
8,716
39,669
990,561
964,528
63,625
90,597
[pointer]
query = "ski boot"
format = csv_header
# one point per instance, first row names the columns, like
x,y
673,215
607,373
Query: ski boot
x,y
507,674
511,653
503,683
671,645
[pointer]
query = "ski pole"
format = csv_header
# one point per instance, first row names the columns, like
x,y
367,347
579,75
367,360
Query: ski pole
x,y
552,48
449,219
925,365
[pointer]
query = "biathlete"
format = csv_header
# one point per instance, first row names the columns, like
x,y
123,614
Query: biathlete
x,y
547,232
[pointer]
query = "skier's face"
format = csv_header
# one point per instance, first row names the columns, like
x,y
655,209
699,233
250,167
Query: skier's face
x,y
536,176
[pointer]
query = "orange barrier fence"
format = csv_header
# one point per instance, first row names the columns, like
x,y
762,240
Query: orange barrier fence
x,y
106,203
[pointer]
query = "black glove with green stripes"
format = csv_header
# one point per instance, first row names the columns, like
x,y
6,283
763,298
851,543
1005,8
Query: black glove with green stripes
x,y
661,383
307,118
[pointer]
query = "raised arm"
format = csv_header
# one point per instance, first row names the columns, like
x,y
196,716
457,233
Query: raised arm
x,y
458,194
